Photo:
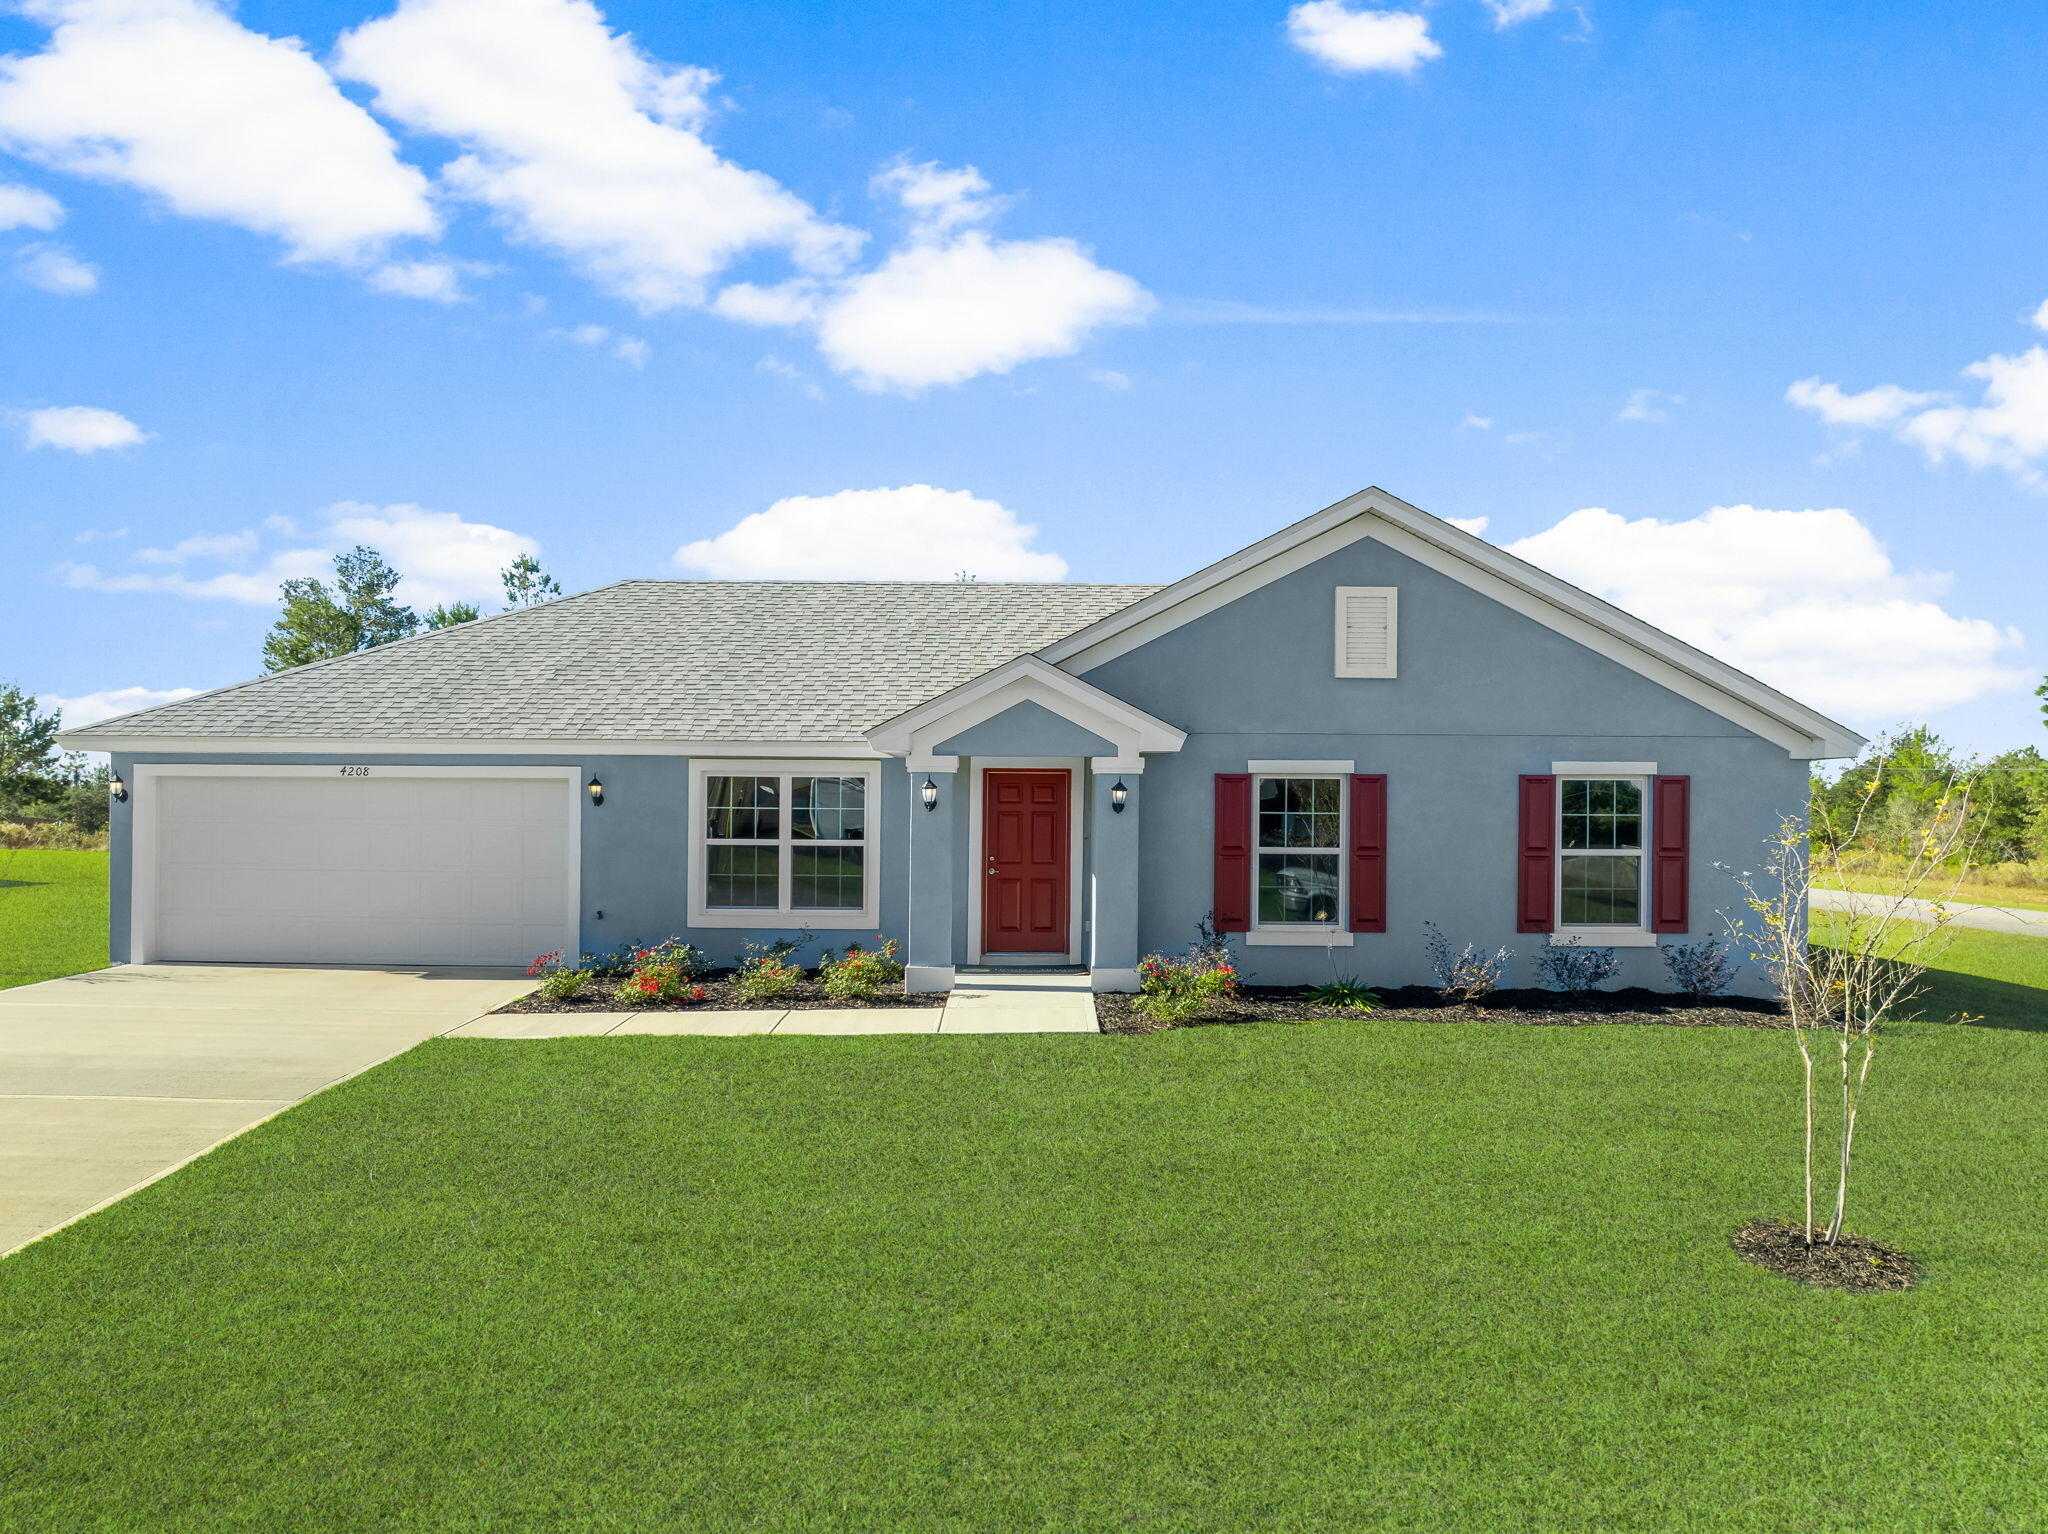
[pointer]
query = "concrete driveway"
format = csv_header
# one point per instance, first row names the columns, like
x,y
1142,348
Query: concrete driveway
x,y
111,1079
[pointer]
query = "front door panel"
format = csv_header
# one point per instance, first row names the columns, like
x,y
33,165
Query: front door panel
x,y
1025,838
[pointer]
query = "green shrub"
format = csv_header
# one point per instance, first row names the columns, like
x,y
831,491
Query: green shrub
x,y
768,979
1344,996
561,984
1181,988
860,974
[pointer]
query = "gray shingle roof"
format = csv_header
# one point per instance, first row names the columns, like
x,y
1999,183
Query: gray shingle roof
x,y
660,660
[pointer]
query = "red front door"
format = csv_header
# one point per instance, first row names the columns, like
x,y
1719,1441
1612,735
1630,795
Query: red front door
x,y
1024,838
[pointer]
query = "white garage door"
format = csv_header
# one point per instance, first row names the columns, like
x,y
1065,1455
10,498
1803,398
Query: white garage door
x,y
394,867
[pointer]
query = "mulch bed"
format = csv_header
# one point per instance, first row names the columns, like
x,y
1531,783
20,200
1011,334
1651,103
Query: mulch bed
x,y
1852,1262
1544,1009
720,994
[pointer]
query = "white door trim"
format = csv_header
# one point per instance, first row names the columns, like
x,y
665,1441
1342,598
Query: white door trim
x,y
144,830
1076,768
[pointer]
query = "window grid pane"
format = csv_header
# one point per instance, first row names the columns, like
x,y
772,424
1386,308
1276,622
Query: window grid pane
x,y
1601,814
828,809
826,878
743,809
742,877
1298,888
1299,812
1602,891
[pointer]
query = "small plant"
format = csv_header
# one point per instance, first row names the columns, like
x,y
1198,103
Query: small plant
x,y
766,971
1469,974
1574,970
1344,996
562,984
861,974
1702,969
1181,988
662,972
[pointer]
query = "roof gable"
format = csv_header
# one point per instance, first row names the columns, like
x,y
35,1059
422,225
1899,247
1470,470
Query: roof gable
x,y
1558,605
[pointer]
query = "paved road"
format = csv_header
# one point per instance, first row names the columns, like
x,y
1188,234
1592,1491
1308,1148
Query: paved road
x,y
1993,918
111,1079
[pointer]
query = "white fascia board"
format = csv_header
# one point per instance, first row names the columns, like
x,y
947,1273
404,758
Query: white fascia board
x,y
1642,647
1025,679
86,739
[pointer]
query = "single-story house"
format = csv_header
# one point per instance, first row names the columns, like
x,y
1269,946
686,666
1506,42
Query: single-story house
x,y
1367,721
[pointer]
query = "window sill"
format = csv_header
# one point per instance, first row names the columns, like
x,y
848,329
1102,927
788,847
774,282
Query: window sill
x,y
1606,937
1297,937
785,921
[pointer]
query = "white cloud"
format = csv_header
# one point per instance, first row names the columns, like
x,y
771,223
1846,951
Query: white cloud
x,y
630,350
2006,428
1873,407
582,144
2039,318
1476,526
916,532
1355,42
100,535
1508,12
1476,422
1112,380
438,282
56,270
80,429
951,302
92,707
1649,405
1808,601
775,367
23,207
204,546
177,99
440,557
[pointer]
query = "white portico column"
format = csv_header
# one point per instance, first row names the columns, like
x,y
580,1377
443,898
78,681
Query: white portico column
x,y
1113,873
928,963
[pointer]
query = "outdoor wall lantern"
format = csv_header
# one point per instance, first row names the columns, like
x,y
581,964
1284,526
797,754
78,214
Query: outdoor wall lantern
x,y
118,789
929,794
1118,796
596,791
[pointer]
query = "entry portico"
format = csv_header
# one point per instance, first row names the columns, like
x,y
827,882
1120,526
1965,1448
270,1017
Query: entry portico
x,y
1027,786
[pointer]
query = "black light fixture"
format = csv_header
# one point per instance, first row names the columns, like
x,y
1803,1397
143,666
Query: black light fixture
x,y
118,789
595,790
929,793
1118,795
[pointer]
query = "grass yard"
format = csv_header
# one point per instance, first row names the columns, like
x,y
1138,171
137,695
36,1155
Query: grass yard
x,y
1997,979
1350,1276
53,914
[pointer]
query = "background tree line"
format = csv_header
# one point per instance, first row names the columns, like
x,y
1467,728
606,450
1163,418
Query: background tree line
x,y
2007,816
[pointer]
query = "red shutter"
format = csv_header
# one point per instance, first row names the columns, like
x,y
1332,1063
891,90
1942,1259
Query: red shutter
x,y
1368,852
1536,863
1670,859
1233,900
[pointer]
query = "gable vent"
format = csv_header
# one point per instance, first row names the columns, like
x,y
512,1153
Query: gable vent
x,y
1365,630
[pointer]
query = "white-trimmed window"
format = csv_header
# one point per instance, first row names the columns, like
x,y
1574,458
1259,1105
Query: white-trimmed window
x,y
1298,852
1602,832
784,844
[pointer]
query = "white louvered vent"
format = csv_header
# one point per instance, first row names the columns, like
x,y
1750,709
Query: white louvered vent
x,y
1366,634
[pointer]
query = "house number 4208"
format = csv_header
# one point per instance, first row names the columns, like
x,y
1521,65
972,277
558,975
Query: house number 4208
x,y
355,772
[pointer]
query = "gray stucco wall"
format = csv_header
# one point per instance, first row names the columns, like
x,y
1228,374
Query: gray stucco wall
x,y
1483,695
1026,729
635,846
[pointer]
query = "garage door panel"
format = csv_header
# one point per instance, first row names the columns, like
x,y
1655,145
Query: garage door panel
x,y
443,870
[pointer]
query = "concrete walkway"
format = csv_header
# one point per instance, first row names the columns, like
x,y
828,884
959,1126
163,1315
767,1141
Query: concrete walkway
x,y
111,1079
1012,1001
1992,918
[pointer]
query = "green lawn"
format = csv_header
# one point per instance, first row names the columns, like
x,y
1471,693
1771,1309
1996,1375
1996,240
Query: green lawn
x,y
1998,979
53,914
1351,1276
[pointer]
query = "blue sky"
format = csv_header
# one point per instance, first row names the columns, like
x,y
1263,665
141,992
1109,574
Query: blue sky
x,y
903,283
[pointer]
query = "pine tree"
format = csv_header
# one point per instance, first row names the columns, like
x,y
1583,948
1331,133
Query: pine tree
x,y
28,743
357,614
527,585
448,614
